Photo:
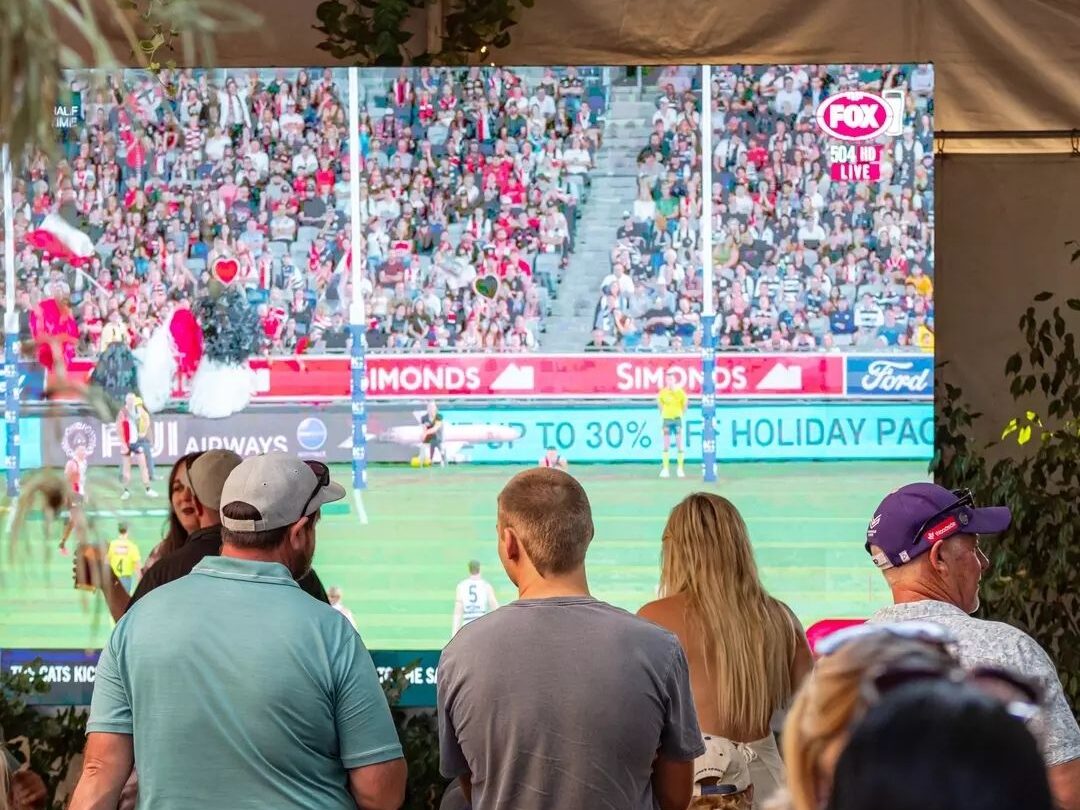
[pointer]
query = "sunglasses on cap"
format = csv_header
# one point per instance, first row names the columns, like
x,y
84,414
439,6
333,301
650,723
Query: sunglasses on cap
x,y
1022,698
948,521
322,476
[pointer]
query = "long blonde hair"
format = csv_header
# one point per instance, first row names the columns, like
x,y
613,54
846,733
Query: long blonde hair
x,y
5,781
749,638
826,705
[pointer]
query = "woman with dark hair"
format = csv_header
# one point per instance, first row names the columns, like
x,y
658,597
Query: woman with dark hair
x,y
940,745
181,522
182,519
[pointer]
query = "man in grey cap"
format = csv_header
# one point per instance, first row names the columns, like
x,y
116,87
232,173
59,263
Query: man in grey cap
x,y
207,476
273,700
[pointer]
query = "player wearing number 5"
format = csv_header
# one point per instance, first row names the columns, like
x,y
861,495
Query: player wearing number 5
x,y
475,597
672,401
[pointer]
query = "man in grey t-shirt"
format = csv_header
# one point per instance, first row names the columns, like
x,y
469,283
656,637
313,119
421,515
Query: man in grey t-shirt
x,y
925,539
559,700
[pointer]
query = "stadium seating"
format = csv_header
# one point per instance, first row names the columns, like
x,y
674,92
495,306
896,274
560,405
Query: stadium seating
x,y
167,174
775,206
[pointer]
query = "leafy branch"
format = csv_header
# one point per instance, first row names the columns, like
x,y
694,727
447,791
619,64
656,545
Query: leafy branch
x,y
53,739
373,32
1035,583
35,50
419,735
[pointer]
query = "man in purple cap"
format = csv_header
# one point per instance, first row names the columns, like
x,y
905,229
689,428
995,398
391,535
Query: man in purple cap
x,y
925,539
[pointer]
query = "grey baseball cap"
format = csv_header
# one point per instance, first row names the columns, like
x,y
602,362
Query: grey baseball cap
x,y
282,487
207,475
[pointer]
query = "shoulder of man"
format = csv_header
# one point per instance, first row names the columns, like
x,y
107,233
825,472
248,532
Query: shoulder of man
x,y
1015,648
172,566
165,570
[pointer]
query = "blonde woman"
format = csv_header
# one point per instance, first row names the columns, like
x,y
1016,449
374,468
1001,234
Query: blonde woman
x,y
746,650
831,699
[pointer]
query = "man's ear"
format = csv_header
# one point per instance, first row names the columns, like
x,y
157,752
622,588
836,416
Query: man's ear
x,y
938,557
297,533
512,544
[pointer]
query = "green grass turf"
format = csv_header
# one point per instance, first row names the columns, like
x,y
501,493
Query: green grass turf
x,y
398,572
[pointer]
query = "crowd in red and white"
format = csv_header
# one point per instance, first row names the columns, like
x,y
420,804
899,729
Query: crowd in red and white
x,y
801,261
468,177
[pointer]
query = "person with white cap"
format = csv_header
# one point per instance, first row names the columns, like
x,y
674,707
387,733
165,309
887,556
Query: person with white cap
x,y
273,702
722,776
925,539
207,476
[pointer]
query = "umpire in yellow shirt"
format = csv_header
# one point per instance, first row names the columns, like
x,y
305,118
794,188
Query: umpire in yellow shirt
x,y
672,401
124,558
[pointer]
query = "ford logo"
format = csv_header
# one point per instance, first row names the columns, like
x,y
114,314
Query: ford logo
x,y
854,116
895,376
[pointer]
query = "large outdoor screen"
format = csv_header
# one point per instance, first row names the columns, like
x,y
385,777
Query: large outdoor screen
x,y
531,265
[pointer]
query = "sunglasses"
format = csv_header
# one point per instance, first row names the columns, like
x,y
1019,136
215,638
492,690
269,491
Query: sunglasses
x,y
322,476
946,522
1021,698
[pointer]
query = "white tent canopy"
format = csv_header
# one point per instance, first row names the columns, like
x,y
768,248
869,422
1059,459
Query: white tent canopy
x,y
1001,65
1004,69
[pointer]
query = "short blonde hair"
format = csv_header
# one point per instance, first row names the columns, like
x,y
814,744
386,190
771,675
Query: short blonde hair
x,y
828,703
550,512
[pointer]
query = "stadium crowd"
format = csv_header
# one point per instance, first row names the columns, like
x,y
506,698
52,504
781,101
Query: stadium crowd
x,y
802,261
540,704
467,174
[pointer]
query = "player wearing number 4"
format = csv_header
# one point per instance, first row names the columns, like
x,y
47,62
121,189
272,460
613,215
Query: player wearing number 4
x,y
672,401
475,597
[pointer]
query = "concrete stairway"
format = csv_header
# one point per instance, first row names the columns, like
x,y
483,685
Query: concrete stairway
x,y
614,187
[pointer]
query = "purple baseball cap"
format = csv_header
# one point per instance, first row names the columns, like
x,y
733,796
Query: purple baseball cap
x,y
912,519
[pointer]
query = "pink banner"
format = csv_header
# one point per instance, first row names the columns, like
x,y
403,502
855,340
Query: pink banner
x,y
600,376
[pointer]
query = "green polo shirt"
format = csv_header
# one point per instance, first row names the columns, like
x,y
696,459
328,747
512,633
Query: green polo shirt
x,y
241,691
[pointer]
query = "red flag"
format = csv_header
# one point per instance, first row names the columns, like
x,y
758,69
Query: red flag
x,y
59,240
55,332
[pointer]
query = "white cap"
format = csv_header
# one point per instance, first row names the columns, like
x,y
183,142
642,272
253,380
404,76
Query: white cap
x,y
724,761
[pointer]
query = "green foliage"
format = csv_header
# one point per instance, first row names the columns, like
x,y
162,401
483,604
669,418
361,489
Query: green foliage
x,y
54,738
1035,580
419,735
34,52
184,29
372,32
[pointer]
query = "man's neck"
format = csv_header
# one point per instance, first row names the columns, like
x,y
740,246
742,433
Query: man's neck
x,y
574,583
251,554
903,593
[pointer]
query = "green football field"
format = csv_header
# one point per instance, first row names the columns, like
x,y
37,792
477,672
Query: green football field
x,y
398,571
